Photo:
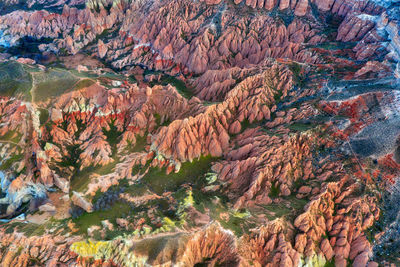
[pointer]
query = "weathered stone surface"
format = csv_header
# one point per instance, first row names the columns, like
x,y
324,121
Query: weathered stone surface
x,y
81,202
243,85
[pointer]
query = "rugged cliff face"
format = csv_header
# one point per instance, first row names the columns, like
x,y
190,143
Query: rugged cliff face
x,y
187,133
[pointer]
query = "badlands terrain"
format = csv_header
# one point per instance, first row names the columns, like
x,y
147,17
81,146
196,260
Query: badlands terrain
x,y
200,133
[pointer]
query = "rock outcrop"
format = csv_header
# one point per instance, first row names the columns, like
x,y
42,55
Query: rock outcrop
x,y
25,251
226,133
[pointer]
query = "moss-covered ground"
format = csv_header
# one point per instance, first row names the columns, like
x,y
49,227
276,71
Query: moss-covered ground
x,y
52,83
180,85
158,181
15,80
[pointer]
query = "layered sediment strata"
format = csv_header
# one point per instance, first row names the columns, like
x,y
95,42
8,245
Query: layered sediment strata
x,y
207,133
271,160
26,251
185,44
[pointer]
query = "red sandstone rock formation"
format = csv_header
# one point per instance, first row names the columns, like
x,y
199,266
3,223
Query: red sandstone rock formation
x,y
207,133
228,58
25,251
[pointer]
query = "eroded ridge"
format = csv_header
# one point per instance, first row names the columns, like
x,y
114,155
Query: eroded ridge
x,y
199,133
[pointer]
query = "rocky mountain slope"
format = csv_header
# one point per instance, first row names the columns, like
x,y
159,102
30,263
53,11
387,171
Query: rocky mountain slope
x,y
199,133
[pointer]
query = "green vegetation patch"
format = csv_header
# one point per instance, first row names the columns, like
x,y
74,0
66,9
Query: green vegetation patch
x,y
141,142
298,74
156,180
71,159
11,136
178,84
330,263
44,116
290,207
14,80
9,162
84,84
28,229
81,179
301,127
274,193
159,182
89,219
113,135
238,221
52,83
166,122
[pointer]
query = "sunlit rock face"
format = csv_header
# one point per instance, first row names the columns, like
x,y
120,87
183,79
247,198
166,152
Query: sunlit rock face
x,y
199,133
